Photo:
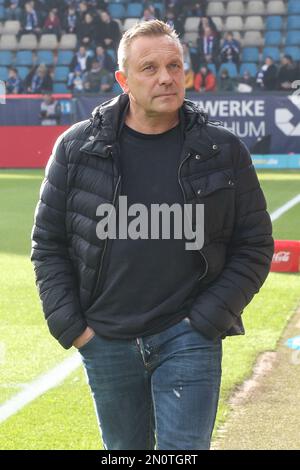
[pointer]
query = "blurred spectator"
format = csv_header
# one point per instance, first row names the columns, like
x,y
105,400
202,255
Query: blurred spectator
x,y
267,75
52,24
189,78
13,10
175,21
287,74
230,50
208,46
186,54
97,79
50,113
225,82
205,80
75,81
149,14
207,21
39,80
70,21
108,31
83,9
245,83
87,31
103,58
80,59
30,21
14,84
194,7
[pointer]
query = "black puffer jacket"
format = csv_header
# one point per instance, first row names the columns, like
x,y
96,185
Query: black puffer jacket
x,y
82,173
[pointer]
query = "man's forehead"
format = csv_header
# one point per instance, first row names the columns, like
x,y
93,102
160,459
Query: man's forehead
x,y
146,47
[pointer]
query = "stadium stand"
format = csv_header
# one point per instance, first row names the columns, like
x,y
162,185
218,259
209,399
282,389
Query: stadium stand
x,y
260,28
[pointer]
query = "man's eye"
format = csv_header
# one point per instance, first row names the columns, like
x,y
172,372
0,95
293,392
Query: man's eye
x,y
149,67
175,66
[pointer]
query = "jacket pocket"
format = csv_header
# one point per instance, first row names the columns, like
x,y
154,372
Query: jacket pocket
x,y
216,191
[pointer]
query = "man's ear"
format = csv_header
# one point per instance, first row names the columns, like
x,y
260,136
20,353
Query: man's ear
x,y
122,80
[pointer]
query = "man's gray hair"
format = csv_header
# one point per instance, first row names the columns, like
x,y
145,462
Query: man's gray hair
x,y
144,28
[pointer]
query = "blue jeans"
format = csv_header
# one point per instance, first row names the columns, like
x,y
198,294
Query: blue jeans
x,y
159,389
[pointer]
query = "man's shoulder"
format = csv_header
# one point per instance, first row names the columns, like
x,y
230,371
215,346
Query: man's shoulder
x,y
79,131
220,134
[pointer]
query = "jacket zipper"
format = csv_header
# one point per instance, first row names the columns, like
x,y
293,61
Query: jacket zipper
x,y
184,198
105,246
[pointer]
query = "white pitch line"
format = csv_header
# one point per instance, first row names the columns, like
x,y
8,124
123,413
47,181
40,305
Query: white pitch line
x,y
57,375
281,210
39,386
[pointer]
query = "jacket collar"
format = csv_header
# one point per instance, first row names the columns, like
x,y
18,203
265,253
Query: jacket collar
x,y
107,121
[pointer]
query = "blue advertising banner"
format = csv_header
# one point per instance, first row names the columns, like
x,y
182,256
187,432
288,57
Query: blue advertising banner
x,y
25,111
267,124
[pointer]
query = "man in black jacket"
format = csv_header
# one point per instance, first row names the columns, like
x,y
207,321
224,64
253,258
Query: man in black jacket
x,y
148,313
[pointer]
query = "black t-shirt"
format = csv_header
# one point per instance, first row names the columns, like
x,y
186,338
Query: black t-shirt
x,y
149,284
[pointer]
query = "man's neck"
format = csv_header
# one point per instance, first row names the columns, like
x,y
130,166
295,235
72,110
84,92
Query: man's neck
x,y
151,124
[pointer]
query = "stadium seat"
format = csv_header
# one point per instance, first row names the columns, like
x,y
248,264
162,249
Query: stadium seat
x,y
254,23
23,72
128,23
233,23
274,23
273,38
218,20
294,7
60,88
253,38
293,51
293,38
212,68
160,7
68,41
45,57
48,41
235,8
64,57
2,12
3,73
250,54
231,69
276,7
293,22
6,58
28,42
24,58
250,67
8,42
61,74
271,52
191,24
215,9
116,10
191,38
134,10
11,27
255,8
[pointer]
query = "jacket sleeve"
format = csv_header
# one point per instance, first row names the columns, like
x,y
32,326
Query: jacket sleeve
x,y
248,259
54,272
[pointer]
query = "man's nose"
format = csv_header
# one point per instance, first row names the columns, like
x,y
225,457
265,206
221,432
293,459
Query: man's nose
x,y
164,77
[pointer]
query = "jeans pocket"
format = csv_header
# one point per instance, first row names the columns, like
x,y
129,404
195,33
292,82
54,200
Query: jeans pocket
x,y
86,345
